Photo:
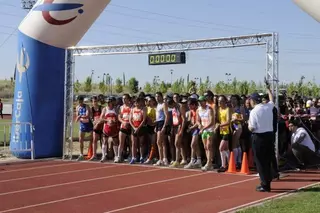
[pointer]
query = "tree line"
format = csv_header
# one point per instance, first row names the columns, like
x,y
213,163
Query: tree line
x,y
183,85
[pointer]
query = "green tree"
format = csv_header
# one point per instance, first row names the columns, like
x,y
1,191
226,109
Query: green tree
x,y
204,86
252,87
234,85
88,85
102,87
315,90
244,88
178,86
147,88
291,88
133,85
118,86
77,86
163,87
219,88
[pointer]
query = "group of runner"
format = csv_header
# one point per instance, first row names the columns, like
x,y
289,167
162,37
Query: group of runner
x,y
174,130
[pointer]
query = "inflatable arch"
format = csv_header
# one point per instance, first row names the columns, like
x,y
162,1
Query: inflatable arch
x,y
312,7
44,34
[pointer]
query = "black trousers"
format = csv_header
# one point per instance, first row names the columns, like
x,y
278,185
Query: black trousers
x,y
263,149
304,155
274,162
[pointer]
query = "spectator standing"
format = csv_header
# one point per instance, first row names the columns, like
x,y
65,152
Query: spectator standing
x,y
274,162
261,125
1,109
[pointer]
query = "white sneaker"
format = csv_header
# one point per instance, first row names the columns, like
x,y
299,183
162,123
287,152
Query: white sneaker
x,y
206,168
159,163
80,158
183,162
103,159
148,161
189,166
197,164
165,162
117,159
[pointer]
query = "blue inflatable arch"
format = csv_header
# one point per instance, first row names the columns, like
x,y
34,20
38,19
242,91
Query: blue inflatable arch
x,y
43,37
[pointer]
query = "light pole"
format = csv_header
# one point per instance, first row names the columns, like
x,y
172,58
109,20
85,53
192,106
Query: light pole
x,y
104,75
228,77
92,72
171,72
155,82
27,4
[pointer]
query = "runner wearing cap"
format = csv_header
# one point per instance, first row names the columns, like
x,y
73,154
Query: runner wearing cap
x,y
110,130
206,124
178,127
86,126
162,129
212,102
96,110
224,128
137,119
193,128
125,128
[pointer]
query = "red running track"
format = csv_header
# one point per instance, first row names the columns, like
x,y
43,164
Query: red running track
x,y
57,186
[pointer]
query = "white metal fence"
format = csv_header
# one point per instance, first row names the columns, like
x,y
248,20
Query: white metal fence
x,y
23,138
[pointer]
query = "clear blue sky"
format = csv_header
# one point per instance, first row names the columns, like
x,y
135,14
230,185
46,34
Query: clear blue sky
x,y
134,21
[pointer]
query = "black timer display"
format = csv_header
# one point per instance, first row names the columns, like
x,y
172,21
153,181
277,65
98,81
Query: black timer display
x,y
167,58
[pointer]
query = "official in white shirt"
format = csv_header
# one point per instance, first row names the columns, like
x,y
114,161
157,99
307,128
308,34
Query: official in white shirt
x,y
302,145
261,125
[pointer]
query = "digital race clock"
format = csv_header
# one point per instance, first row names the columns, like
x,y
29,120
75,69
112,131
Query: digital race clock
x,y
167,58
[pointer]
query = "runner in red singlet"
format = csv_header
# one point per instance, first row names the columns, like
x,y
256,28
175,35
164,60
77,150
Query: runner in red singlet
x,y
138,117
110,130
125,128
178,126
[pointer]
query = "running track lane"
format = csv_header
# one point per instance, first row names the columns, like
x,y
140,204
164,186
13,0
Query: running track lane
x,y
199,200
216,199
70,178
32,165
116,193
45,171
88,186
209,196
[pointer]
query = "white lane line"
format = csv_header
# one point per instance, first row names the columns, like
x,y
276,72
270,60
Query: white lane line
x,y
24,161
169,168
76,182
277,196
59,173
180,195
39,167
101,192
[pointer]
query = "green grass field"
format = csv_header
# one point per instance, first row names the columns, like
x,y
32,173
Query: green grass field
x,y
5,131
304,201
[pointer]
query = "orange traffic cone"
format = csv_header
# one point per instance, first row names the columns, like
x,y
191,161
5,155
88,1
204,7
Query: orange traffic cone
x,y
90,152
245,167
232,164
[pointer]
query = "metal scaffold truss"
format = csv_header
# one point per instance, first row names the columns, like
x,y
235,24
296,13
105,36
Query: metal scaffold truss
x,y
187,45
269,40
